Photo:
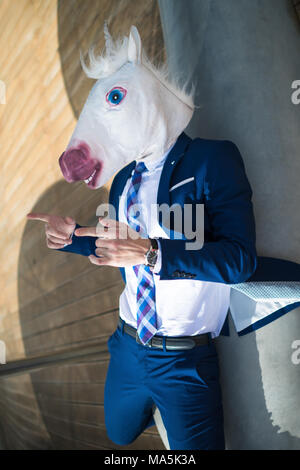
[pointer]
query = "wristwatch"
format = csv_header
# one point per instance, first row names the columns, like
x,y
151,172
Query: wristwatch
x,y
152,253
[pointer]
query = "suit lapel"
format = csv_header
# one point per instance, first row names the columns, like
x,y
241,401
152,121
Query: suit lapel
x,y
175,155
172,159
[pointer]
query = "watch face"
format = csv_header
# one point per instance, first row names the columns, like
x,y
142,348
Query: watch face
x,y
152,257
154,243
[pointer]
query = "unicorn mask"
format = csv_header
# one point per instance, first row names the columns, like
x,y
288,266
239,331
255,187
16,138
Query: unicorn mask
x,y
133,112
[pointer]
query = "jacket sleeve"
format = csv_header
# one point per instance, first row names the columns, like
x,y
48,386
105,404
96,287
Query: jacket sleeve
x,y
230,257
81,245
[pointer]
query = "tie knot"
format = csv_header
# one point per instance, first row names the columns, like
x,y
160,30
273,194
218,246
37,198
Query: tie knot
x,y
140,167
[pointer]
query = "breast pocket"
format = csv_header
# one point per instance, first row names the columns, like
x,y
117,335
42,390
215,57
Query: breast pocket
x,y
183,191
182,207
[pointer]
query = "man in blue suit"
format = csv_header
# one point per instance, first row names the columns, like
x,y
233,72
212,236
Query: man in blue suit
x,y
177,292
177,369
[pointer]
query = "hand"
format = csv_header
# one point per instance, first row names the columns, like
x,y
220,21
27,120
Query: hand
x,y
58,229
117,244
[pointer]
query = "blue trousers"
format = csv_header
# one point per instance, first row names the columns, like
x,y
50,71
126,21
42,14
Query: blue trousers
x,y
184,385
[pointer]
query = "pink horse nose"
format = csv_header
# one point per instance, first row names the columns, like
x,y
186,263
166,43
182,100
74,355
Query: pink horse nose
x,y
77,164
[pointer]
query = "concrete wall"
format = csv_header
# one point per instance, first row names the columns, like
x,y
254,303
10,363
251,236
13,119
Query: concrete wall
x,y
243,57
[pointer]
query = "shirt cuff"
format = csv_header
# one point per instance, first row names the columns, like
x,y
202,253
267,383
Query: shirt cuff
x,y
157,266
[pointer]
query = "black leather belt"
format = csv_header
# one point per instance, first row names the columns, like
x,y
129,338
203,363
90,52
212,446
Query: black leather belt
x,y
172,343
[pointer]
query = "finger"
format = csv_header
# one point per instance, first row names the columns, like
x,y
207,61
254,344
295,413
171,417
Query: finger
x,y
102,232
105,238
38,216
69,220
53,239
86,232
99,261
108,222
55,246
112,229
101,252
108,244
56,233
100,243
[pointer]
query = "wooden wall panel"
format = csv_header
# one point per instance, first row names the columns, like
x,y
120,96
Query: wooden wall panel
x,y
54,302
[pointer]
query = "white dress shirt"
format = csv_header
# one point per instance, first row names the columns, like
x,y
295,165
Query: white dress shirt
x,y
184,307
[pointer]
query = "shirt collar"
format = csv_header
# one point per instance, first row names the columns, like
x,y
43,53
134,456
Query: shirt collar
x,y
152,165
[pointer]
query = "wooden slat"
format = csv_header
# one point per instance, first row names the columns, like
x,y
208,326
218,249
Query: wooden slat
x,y
51,300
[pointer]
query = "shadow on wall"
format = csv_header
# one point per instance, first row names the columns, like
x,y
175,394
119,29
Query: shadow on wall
x,y
66,302
52,283
260,386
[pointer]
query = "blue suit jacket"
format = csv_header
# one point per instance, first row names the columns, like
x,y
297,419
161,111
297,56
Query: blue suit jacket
x,y
216,178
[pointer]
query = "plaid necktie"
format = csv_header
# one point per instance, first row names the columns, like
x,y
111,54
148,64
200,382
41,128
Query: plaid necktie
x,y
146,311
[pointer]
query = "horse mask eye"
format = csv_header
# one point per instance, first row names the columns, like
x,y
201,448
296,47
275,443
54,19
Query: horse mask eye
x,y
116,95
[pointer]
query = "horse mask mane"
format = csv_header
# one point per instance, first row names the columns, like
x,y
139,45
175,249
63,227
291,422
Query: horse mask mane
x,y
133,112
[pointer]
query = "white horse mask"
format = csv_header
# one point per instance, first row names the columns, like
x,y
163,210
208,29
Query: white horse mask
x,y
133,112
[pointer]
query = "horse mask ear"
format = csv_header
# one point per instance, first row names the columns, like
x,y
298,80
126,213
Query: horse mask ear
x,y
134,46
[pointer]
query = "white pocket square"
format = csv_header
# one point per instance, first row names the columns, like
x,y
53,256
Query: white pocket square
x,y
187,180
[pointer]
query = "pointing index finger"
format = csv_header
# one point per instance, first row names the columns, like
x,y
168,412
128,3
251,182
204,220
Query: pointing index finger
x,y
86,232
38,216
